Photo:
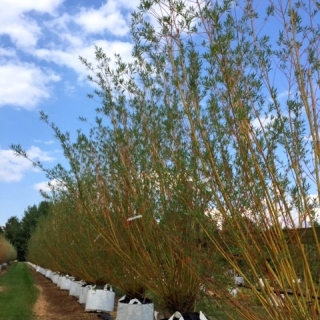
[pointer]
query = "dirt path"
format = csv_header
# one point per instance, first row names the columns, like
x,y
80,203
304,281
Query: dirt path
x,y
56,304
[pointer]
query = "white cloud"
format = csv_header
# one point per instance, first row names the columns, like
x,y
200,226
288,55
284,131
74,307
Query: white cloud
x,y
262,122
281,95
69,56
35,153
13,168
130,5
24,33
47,186
5,52
112,17
48,142
23,30
17,6
74,41
24,85
45,142
68,88
107,18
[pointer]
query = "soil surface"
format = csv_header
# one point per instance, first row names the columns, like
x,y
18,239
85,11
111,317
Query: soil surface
x,y
56,304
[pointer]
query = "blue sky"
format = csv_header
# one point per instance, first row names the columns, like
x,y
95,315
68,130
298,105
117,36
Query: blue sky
x,y
40,42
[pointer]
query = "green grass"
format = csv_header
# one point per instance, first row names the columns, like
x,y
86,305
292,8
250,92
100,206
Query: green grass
x,y
17,293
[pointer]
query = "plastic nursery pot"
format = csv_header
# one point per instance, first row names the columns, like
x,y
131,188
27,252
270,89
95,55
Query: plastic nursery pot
x,y
100,299
135,309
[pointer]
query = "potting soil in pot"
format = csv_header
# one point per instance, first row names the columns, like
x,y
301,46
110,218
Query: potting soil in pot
x,y
135,309
136,300
188,316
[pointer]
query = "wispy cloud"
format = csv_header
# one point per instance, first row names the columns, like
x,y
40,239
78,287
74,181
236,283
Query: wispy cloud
x,y
281,95
69,56
68,88
47,186
13,168
106,18
23,30
7,52
24,85
44,142
262,122
58,38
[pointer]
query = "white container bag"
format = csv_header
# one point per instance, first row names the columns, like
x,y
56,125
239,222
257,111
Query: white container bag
x,y
51,276
134,310
100,299
48,273
55,277
83,294
65,283
239,281
60,281
233,291
75,288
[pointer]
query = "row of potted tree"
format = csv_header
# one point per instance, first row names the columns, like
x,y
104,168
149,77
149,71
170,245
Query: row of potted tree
x,y
195,166
7,252
142,259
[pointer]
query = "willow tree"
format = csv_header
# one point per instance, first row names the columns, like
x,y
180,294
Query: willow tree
x,y
215,123
247,76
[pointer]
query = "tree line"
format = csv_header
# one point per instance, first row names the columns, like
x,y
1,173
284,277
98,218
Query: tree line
x,y
18,232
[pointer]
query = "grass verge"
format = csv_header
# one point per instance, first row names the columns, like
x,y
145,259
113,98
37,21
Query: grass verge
x,y
18,293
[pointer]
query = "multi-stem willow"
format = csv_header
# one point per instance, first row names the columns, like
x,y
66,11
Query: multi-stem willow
x,y
197,129
251,142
